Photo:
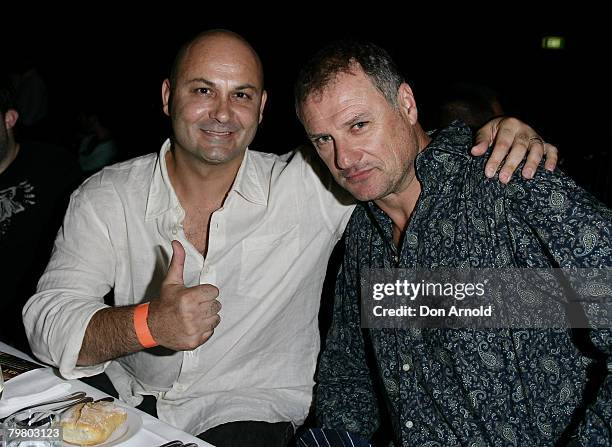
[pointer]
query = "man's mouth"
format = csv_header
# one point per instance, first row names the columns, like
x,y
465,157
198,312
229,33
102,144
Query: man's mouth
x,y
214,133
358,176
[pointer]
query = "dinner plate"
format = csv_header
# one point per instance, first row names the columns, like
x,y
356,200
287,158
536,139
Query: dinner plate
x,y
127,430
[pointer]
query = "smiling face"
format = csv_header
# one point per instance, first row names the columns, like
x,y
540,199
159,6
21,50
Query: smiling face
x,y
218,99
368,144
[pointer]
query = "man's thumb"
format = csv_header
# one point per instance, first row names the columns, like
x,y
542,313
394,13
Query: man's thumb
x,y
177,264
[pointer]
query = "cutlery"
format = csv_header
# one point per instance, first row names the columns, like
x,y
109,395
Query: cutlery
x,y
177,443
36,418
67,398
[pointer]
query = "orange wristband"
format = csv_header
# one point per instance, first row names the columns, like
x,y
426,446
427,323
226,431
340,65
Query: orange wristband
x,y
141,312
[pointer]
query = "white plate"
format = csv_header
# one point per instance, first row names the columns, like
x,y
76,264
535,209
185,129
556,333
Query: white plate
x,y
127,430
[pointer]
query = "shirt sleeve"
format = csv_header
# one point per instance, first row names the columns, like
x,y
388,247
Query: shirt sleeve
x,y
344,397
72,289
576,230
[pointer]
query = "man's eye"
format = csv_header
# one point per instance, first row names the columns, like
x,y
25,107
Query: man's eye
x,y
202,90
243,95
360,125
322,140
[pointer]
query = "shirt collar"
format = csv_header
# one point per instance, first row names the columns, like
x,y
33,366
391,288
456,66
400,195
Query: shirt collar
x,y
380,219
456,139
445,154
161,195
249,183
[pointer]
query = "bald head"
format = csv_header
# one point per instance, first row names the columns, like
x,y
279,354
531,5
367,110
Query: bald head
x,y
218,46
215,99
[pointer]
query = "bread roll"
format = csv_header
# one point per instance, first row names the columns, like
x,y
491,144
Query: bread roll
x,y
91,423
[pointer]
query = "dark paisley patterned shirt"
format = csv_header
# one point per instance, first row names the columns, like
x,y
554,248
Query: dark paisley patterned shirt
x,y
495,387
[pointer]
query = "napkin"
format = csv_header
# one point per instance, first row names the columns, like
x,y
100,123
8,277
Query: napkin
x,y
30,388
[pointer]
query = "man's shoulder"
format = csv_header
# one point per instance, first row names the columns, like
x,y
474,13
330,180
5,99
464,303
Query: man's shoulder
x,y
292,166
552,189
268,158
130,175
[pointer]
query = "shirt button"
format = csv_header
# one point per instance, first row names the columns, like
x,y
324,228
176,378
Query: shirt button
x,y
409,424
174,230
206,269
406,367
180,387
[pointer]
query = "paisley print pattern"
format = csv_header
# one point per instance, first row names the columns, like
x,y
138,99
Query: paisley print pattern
x,y
495,387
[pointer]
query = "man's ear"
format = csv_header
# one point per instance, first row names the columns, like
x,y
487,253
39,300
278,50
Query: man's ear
x,y
407,104
10,118
264,98
166,94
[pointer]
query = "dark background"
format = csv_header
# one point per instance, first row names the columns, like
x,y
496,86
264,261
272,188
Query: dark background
x,y
116,61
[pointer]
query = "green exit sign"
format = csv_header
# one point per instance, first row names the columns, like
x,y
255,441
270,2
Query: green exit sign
x,y
553,42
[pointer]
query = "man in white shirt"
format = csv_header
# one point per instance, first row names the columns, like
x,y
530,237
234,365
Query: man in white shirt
x,y
247,230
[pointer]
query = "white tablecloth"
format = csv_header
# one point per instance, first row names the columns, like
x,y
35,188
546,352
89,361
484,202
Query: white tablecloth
x,y
153,433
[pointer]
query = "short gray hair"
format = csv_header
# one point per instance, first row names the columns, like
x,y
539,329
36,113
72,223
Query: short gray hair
x,y
341,57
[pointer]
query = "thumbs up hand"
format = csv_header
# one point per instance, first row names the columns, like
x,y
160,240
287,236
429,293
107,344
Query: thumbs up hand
x,y
183,318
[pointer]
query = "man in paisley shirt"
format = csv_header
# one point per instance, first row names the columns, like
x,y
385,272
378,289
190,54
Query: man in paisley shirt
x,y
420,200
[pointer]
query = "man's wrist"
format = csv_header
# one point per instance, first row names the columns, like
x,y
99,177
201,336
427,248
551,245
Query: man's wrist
x,y
141,326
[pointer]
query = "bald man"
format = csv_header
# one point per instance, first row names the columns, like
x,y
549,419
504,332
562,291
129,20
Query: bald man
x,y
176,234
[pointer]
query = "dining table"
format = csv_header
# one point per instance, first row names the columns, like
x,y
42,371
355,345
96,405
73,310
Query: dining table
x,y
143,430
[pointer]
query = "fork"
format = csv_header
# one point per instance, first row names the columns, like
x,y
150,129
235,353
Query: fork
x,y
177,443
67,398
38,418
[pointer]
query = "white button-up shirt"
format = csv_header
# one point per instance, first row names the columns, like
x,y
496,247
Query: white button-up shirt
x,y
267,253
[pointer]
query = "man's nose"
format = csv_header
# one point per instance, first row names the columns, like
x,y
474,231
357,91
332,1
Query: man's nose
x,y
221,111
347,155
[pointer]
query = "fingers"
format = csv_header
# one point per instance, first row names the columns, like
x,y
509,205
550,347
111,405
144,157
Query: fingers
x,y
511,143
204,332
505,133
198,302
481,146
500,150
211,308
552,156
485,136
514,140
205,336
536,151
177,265
206,292
198,325
202,303
210,323
535,148
514,158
